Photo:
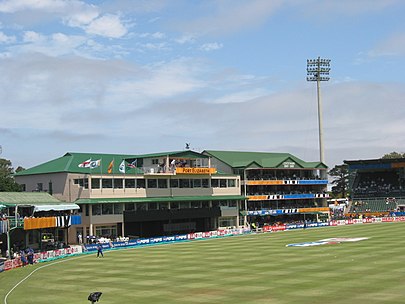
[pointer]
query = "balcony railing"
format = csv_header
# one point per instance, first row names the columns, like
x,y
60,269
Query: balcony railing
x,y
173,170
12,222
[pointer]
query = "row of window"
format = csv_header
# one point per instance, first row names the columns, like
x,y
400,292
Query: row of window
x,y
110,209
158,183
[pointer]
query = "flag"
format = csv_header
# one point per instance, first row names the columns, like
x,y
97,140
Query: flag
x,y
94,164
110,167
85,164
122,166
133,164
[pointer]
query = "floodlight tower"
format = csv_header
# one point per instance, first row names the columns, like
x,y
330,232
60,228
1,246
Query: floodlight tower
x,y
318,70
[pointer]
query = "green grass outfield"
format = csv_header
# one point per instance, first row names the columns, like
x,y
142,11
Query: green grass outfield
x,y
240,269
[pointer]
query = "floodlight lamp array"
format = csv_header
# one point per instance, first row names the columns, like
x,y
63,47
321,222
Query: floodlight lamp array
x,y
314,78
318,61
318,69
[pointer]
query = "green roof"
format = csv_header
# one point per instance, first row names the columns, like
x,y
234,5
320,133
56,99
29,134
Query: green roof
x,y
157,199
70,162
27,198
240,159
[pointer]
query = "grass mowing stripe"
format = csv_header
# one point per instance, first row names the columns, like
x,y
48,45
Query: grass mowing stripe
x,y
247,269
35,270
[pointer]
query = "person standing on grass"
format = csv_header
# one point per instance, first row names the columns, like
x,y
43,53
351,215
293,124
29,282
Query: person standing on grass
x,y
23,258
100,250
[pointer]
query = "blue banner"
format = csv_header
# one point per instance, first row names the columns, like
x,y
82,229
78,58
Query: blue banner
x,y
313,182
138,242
75,220
291,196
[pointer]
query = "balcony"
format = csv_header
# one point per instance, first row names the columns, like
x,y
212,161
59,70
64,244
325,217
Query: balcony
x,y
172,170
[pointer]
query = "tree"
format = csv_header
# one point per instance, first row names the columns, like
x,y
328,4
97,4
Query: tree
x,y
340,182
7,182
393,155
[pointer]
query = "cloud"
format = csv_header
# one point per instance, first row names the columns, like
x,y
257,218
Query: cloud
x,y
108,26
43,85
211,46
394,45
6,39
156,35
82,17
188,38
57,44
358,118
12,6
342,7
228,16
172,78
240,96
73,13
155,46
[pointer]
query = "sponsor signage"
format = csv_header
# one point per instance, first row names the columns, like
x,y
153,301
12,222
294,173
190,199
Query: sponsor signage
x,y
331,241
288,164
182,170
319,209
265,182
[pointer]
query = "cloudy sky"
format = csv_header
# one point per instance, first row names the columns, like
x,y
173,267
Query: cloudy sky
x,y
134,76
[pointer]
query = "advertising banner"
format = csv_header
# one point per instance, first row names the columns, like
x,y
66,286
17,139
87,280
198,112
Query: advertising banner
x,y
1,265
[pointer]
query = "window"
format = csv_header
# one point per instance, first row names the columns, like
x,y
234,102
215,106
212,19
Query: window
x,y
95,183
205,204
40,187
184,183
140,183
130,183
174,183
231,183
107,183
184,205
222,183
96,209
163,206
107,209
106,231
162,183
155,161
130,206
141,207
197,183
153,206
118,184
232,203
214,183
174,205
82,182
23,187
117,208
205,183
152,183
223,203
195,204
226,221
78,181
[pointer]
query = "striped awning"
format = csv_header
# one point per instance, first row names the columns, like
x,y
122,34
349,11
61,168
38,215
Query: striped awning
x,y
55,207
